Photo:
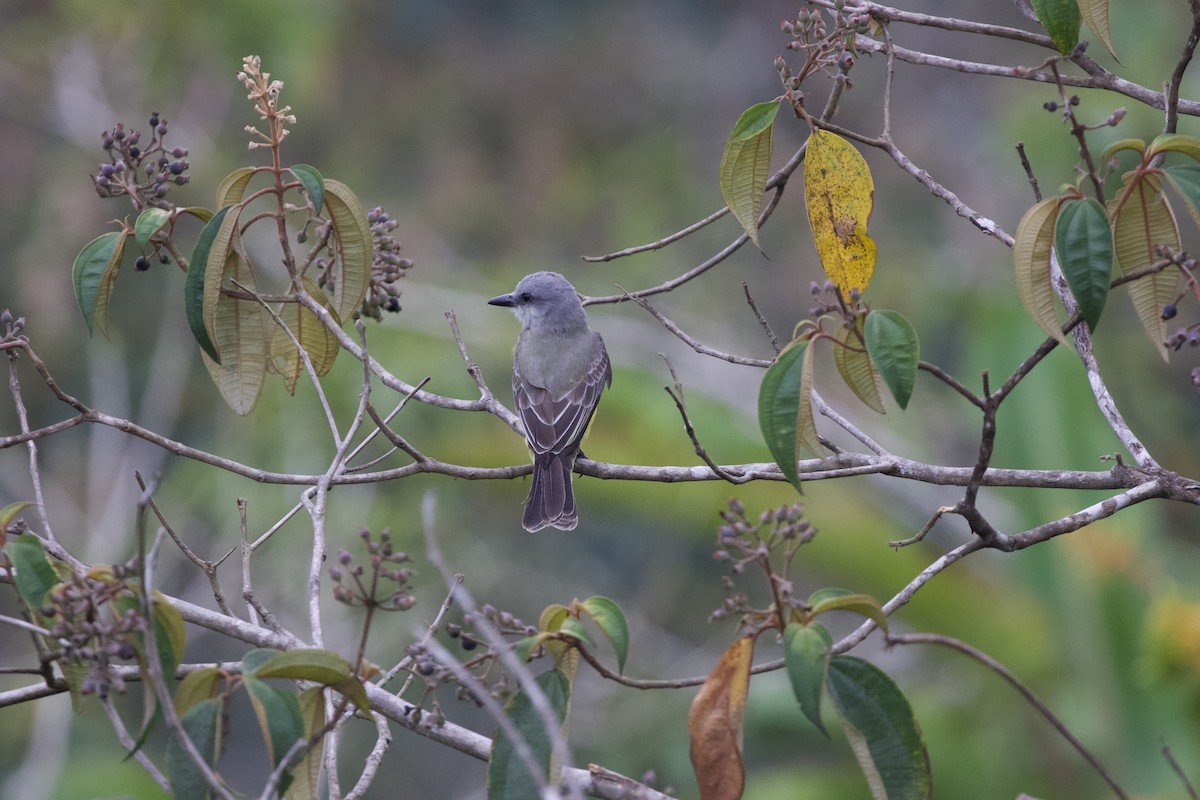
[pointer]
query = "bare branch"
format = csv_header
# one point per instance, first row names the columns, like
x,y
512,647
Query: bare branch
x,y
1016,683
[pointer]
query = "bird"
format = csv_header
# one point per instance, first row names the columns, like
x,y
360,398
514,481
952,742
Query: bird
x,y
560,367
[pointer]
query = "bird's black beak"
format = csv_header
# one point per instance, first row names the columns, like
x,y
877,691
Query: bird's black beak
x,y
505,300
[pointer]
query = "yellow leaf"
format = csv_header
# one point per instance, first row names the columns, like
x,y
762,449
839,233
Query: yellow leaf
x,y
840,195
1145,220
318,341
1031,263
715,725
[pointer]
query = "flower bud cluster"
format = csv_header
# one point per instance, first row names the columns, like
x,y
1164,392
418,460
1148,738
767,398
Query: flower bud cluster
x,y
388,267
140,165
265,92
10,328
743,543
89,628
380,584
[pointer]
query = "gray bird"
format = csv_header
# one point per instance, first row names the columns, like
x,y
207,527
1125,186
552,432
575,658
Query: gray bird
x,y
560,367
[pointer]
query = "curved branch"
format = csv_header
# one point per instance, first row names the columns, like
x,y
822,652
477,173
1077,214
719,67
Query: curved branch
x,y
1015,682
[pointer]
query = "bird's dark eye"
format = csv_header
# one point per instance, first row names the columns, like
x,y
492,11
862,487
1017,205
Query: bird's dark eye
x,y
526,297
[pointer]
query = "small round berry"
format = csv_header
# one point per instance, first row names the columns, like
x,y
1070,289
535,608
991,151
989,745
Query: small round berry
x,y
1169,311
141,264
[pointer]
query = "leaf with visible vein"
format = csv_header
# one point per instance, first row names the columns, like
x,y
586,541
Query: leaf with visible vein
x,y
745,165
1031,264
355,248
1144,222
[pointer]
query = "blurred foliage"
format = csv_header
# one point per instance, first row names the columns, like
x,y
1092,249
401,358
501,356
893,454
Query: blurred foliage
x,y
513,137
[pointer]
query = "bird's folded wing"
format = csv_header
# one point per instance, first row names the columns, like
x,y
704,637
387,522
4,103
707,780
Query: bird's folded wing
x,y
555,424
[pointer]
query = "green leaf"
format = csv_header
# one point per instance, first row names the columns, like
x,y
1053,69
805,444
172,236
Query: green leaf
x,y
571,626
94,272
1095,14
778,401
1176,143
193,288
355,247
170,635
1083,241
882,730
746,163
196,687
308,664
233,186
314,184
806,426
201,723
308,770
611,621
1031,263
253,659
523,648
8,514
853,363
1060,18
199,212
1136,145
1144,222
806,655
278,714
218,268
507,776
1185,180
34,575
239,330
319,666
169,630
863,604
895,350
148,223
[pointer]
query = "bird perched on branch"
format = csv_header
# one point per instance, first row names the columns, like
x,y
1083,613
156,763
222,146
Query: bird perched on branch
x,y
560,367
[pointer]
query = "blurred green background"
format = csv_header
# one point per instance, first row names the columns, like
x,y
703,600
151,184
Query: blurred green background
x,y
513,137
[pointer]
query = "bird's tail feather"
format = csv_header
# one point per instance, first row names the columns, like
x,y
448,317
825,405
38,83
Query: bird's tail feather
x,y
551,499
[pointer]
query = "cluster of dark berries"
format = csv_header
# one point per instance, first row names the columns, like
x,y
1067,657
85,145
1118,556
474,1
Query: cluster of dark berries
x,y
143,169
385,587
90,629
388,267
10,328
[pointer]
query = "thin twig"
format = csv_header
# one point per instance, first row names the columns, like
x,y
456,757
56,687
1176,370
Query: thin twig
x,y
1016,683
